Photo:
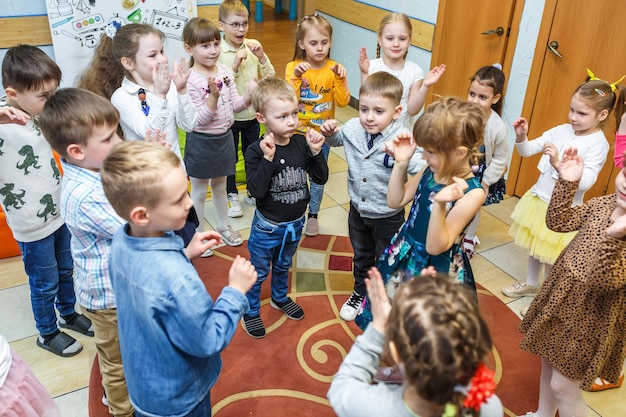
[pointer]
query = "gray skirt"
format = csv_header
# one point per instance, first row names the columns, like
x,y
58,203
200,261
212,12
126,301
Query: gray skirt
x,y
210,156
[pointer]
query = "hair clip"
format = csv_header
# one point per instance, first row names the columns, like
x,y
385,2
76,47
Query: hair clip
x,y
112,28
600,92
310,16
497,65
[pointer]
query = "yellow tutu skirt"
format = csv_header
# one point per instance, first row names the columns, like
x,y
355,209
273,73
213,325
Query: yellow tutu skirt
x,y
530,231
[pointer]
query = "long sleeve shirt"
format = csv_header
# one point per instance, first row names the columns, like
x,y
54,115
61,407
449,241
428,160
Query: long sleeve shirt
x,y
496,149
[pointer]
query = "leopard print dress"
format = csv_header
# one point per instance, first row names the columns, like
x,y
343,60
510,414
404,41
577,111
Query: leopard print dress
x,y
577,322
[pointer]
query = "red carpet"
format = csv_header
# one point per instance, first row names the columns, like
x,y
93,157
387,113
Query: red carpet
x,y
289,371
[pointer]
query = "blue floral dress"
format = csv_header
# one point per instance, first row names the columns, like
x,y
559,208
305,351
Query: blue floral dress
x,y
406,256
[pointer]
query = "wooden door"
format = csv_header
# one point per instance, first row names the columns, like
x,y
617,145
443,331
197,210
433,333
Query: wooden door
x,y
469,35
582,36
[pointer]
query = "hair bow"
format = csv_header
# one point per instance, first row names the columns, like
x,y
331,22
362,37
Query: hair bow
x,y
480,388
613,85
112,28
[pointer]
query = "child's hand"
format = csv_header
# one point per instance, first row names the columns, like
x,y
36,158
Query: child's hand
x,y
618,228
268,147
13,115
521,128
433,75
161,79
157,136
256,48
214,90
401,148
429,271
242,275
315,140
378,299
571,166
180,75
329,127
364,61
339,70
553,152
201,242
241,55
301,68
452,192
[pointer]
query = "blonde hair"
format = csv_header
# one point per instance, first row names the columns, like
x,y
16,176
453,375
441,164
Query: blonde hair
x,y
392,18
382,84
70,116
270,89
133,173
308,22
446,125
199,30
598,95
228,7
440,337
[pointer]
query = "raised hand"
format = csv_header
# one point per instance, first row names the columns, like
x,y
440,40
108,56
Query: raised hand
x,y
329,127
364,61
434,74
214,87
452,192
161,79
401,148
618,228
201,242
242,274
301,68
571,166
180,75
241,55
268,146
339,70
256,48
521,128
13,115
157,136
315,140
381,307
553,152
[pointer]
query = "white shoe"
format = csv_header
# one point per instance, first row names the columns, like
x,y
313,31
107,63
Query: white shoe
x,y
234,208
250,200
351,307
105,402
207,253
520,290
231,237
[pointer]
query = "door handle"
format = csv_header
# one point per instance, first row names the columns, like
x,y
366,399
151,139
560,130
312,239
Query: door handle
x,y
553,46
498,31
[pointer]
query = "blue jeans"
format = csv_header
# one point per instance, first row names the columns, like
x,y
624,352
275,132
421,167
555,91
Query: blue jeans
x,y
272,243
203,409
49,266
317,190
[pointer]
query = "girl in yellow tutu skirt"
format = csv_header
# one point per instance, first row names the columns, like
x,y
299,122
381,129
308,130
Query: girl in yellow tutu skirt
x,y
590,107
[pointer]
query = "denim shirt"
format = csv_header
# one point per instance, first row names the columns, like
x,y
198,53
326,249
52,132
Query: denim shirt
x,y
171,331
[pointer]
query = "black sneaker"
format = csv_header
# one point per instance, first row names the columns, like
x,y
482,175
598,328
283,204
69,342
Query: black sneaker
x,y
253,326
289,307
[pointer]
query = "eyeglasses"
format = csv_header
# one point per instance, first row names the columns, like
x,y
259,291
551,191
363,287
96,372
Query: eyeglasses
x,y
237,25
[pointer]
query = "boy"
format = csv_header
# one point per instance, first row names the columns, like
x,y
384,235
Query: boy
x,y
30,184
81,126
276,173
371,223
171,331
248,61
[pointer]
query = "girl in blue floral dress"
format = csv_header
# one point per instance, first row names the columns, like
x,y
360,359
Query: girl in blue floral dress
x,y
446,196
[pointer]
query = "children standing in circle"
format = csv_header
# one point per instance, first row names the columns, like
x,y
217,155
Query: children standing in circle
x,y
148,97
486,90
435,332
248,61
576,322
320,84
394,39
446,195
590,106
212,89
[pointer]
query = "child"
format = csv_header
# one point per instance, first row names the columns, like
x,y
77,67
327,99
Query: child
x,y
248,61
435,332
446,195
81,126
371,222
394,39
215,98
147,96
576,322
486,89
171,331
30,183
321,84
276,169
590,106
620,135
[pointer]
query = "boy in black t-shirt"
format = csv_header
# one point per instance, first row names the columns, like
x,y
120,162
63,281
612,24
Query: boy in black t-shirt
x,y
276,175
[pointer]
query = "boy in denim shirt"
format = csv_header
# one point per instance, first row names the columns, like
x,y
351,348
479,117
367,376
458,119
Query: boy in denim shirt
x,y
276,173
371,223
171,331
30,184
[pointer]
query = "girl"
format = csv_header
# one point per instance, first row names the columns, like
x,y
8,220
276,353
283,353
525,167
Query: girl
x,y
445,193
576,322
590,106
146,94
620,135
214,94
320,84
435,332
394,39
486,90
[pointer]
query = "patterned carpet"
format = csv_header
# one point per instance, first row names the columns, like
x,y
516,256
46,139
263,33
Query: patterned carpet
x,y
289,371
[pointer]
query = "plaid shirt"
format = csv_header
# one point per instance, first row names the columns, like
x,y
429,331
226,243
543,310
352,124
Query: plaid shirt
x,y
92,223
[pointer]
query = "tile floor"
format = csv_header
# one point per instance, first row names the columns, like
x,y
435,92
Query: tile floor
x,y
498,262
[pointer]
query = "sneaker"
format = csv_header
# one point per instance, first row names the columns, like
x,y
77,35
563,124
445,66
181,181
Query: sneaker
x,y
289,307
78,323
250,200
61,344
234,208
253,326
105,402
524,311
520,289
312,227
231,237
207,253
351,307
